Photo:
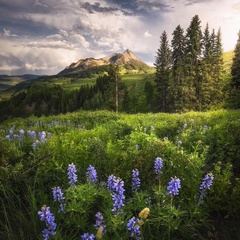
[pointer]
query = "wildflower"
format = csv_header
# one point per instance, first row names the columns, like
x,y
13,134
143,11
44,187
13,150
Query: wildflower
x,y
207,181
16,136
158,165
72,174
148,200
134,227
99,233
137,146
32,134
135,180
58,196
8,137
116,186
179,142
144,213
205,127
48,218
87,236
151,128
100,223
21,131
35,144
174,186
184,125
206,184
91,174
42,136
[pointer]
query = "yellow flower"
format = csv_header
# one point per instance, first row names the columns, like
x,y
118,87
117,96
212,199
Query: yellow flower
x,y
99,233
144,213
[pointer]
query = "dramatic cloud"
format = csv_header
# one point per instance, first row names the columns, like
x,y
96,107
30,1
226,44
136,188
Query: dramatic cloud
x,y
44,36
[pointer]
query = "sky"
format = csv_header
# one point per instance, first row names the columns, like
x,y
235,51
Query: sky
x,y
45,36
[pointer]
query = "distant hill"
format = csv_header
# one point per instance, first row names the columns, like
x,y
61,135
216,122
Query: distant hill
x,y
127,60
7,82
227,59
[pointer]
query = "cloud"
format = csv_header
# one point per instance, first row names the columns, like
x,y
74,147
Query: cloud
x,y
96,7
147,34
8,33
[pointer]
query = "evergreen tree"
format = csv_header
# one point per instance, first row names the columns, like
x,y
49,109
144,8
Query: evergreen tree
x,y
206,78
234,91
163,66
177,84
217,71
193,54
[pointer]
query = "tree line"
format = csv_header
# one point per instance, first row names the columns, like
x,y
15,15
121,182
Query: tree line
x,y
189,72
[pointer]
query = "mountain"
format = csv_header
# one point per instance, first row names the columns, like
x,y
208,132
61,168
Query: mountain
x,y
127,60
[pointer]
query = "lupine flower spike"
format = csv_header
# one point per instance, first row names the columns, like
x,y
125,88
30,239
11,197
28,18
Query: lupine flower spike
x,y
116,186
91,174
134,227
174,186
87,236
135,180
72,174
48,218
58,196
206,184
158,165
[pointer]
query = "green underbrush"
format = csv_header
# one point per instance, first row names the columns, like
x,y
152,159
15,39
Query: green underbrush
x,y
190,144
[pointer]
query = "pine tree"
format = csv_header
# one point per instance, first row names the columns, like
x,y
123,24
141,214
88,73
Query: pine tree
x,y
193,63
206,77
217,71
163,66
234,92
177,85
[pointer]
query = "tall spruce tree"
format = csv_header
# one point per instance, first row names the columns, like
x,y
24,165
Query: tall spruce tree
x,y
217,73
206,78
163,66
193,53
235,78
177,84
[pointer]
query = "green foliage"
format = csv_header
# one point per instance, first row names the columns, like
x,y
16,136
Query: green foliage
x,y
190,145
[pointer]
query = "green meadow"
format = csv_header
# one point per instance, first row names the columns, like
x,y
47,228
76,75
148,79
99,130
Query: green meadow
x,y
35,154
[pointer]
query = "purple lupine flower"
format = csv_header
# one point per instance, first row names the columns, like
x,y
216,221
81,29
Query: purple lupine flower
x,y
158,165
72,174
16,136
35,144
100,222
32,134
207,181
111,181
174,186
21,131
42,136
91,174
46,216
135,180
58,196
87,236
206,184
116,186
8,137
134,227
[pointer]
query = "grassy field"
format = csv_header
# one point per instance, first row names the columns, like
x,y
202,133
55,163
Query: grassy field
x,y
35,154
